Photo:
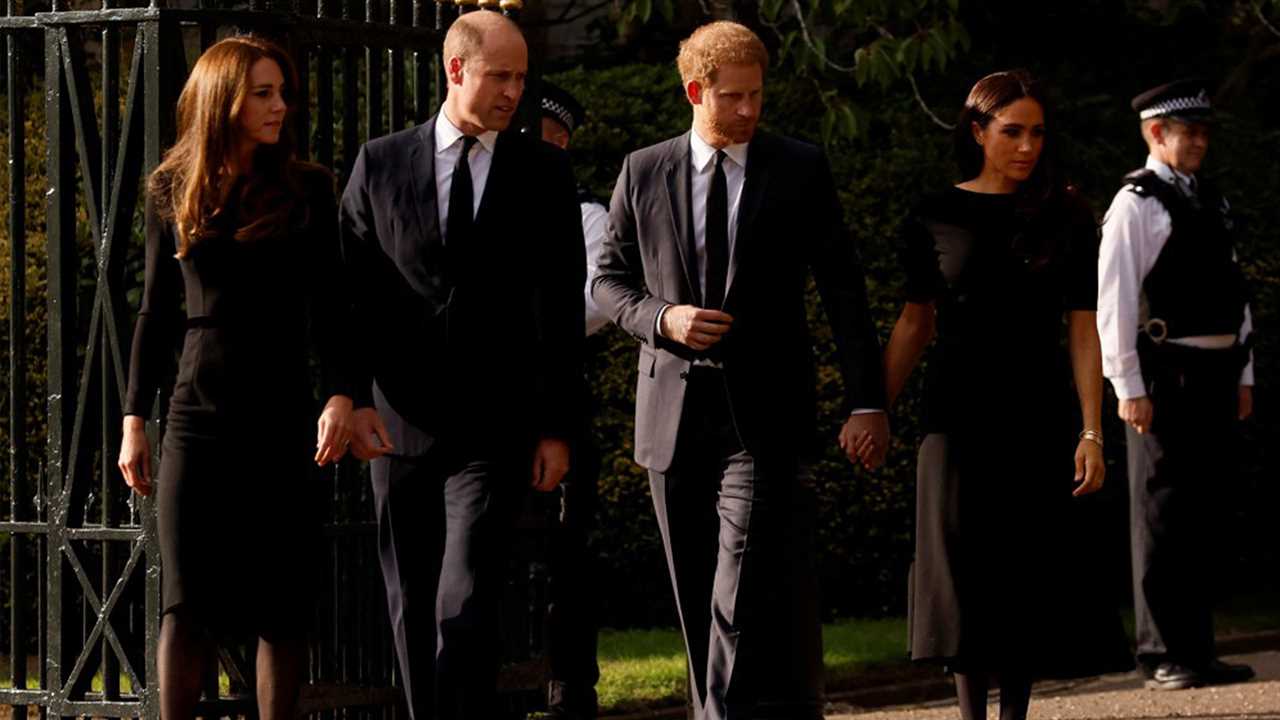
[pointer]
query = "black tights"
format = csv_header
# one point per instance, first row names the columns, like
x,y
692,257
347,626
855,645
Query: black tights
x,y
971,691
187,648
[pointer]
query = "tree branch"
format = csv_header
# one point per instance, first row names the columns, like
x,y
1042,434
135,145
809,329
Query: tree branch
x,y
911,78
1257,8
808,40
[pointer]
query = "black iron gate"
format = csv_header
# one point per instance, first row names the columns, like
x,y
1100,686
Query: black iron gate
x,y
81,589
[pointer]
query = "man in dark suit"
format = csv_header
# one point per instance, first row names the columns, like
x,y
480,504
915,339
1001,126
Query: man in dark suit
x,y
711,237
468,279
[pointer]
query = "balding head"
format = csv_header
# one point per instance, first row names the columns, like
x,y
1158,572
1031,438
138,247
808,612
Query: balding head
x,y
486,60
467,35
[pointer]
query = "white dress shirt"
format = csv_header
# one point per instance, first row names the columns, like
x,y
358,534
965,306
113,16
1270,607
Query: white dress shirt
x,y
594,220
448,148
1133,234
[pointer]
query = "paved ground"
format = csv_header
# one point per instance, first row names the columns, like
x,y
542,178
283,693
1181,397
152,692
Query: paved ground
x,y
1122,697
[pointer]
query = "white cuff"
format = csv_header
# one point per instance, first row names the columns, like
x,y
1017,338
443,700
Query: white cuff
x,y
1129,387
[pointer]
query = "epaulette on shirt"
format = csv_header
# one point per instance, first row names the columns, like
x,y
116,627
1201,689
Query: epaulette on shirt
x,y
1142,182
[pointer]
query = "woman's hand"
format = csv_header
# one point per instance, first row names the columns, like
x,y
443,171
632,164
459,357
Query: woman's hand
x,y
135,455
1090,468
333,431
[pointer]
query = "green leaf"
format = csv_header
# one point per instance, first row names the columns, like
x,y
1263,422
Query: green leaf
x,y
848,122
769,9
828,125
667,9
644,10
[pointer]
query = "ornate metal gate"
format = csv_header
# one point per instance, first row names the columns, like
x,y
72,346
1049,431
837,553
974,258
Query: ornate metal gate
x,y
82,584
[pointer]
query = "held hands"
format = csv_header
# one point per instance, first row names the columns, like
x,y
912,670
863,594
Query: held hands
x,y
333,430
1137,412
693,326
1090,468
369,437
864,438
550,463
135,455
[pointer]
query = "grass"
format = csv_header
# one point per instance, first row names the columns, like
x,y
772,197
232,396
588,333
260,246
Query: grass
x,y
642,669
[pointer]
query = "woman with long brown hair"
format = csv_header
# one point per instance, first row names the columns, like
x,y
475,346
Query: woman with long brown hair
x,y
997,266
247,235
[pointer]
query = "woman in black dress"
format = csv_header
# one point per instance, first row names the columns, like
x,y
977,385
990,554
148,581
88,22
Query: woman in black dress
x,y
247,235
994,266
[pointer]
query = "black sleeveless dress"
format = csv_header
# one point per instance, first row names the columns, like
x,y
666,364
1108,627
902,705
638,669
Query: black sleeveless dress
x,y
237,492
1000,579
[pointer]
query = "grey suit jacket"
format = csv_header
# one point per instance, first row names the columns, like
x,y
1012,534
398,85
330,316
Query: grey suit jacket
x,y
789,223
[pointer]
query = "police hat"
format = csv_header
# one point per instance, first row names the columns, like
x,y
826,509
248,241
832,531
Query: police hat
x,y
560,106
1185,100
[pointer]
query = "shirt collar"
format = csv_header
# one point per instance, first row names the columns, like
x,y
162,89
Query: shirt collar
x,y
1168,174
703,153
447,134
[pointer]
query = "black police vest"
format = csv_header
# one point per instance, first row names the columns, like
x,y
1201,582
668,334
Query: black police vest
x,y
1196,286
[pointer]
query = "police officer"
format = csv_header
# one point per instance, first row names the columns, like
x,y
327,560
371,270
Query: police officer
x,y
1173,318
572,622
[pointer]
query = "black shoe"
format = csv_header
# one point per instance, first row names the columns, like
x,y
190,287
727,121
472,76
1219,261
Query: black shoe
x,y
566,701
1172,676
1220,673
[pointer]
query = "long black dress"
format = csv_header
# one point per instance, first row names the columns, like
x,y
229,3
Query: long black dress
x,y
998,582
237,493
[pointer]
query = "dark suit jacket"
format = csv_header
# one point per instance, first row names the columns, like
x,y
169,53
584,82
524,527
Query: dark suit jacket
x,y
489,344
789,221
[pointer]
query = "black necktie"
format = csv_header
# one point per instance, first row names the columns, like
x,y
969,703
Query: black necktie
x,y
717,236
461,205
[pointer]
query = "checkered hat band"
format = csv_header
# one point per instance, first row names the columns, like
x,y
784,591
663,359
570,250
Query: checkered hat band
x,y
559,111
1176,105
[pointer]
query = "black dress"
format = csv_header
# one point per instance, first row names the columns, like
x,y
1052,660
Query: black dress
x,y
999,582
237,492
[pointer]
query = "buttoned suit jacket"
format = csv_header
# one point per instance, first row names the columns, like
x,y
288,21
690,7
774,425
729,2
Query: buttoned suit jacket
x,y
491,341
789,223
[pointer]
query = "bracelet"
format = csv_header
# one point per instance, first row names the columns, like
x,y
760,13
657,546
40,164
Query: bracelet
x,y
1092,436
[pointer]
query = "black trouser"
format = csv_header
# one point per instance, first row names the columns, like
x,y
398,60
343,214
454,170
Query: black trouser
x,y
573,593
738,534
444,525
1179,472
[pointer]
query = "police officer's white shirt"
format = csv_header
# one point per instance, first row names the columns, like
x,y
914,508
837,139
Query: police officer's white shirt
x,y
594,219
1133,234
448,149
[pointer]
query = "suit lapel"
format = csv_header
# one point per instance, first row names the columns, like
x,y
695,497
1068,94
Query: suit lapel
x,y
754,185
679,184
423,162
493,185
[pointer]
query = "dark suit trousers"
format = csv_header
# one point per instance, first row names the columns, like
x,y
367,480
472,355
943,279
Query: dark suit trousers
x,y
739,544
445,522
573,591
1178,474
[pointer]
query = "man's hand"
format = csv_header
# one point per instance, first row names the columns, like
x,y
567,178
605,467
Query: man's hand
x,y
1138,413
550,463
1246,401
135,455
693,326
369,438
865,439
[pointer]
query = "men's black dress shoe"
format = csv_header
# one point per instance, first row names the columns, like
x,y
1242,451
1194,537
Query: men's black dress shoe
x,y
1220,673
1172,676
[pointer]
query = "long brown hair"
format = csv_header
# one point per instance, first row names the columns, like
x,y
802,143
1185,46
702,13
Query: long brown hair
x,y
193,184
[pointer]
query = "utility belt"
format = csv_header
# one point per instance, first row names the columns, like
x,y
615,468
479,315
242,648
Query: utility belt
x,y
1158,356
